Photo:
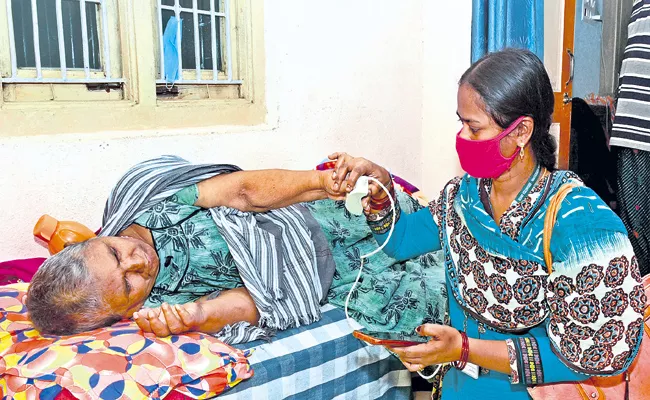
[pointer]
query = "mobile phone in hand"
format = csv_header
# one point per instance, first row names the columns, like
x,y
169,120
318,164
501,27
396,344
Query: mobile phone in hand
x,y
390,339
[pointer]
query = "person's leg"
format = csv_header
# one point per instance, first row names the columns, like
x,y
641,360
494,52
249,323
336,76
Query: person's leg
x,y
633,201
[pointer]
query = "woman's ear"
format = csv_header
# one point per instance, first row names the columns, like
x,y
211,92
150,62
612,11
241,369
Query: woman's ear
x,y
525,131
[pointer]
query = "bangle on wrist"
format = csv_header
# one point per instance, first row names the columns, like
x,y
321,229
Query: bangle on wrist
x,y
384,202
464,352
381,213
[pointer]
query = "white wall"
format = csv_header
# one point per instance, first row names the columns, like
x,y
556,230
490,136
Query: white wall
x,y
447,46
374,78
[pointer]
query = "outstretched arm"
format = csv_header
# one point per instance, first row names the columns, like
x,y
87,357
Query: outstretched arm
x,y
414,234
203,315
259,191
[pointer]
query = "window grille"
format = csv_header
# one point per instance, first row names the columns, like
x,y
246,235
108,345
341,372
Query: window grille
x,y
63,35
203,40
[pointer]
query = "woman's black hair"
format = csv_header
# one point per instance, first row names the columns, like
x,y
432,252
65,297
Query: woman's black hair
x,y
513,83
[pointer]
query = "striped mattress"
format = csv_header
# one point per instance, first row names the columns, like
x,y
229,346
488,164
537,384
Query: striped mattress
x,y
322,361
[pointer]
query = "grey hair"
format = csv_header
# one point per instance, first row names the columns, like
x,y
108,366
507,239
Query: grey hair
x,y
63,297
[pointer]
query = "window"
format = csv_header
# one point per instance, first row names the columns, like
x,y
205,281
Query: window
x,y
91,65
62,37
61,50
203,37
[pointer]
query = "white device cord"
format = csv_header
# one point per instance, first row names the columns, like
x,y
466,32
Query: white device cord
x,y
377,250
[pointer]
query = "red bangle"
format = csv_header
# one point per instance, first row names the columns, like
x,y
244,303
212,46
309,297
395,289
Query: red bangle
x,y
464,352
385,201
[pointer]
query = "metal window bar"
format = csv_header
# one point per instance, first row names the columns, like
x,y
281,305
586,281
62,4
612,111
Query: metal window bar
x,y
228,48
195,11
84,37
59,31
162,46
213,35
12,42
107,49
62,53
37,43
197,44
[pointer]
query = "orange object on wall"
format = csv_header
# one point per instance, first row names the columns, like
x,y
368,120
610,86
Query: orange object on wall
x,y
59,234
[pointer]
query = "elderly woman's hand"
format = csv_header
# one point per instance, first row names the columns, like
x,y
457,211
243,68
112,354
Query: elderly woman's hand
x,y
170,320
348,169
327,184
443,346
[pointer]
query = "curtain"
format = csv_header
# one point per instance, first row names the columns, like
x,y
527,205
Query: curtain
x,y
497,24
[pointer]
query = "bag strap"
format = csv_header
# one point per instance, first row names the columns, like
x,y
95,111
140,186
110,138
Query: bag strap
x,y
549,221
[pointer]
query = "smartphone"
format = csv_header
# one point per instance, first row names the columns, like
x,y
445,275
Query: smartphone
x,y
390,339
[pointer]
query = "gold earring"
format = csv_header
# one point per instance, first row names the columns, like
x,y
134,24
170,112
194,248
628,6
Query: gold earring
x,y
521,152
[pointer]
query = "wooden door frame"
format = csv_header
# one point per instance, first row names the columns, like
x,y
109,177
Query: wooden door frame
x,y
562,111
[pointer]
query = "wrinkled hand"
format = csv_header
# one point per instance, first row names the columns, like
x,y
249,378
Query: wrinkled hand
x,y
327,184
348,169
444,346
170,320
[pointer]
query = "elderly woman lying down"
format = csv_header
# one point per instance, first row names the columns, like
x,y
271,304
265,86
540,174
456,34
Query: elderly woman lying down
x,y
195,248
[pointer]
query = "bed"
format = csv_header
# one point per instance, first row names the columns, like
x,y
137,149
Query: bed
x,y
319,361
322,361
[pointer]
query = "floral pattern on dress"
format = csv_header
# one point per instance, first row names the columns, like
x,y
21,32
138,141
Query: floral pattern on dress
x,y
616,272
526,289
608,335
597,315
501,289
614,303
195,260
589,278
480,272
391,295
526,268
500,313
529,314
570,347
559,310
501,265
585,309
592,300
159,215
596,358
562,287
632,336
638,299
619,361
581,332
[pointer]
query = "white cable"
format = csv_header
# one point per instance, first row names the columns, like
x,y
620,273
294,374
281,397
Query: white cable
x,y
427,377
377,250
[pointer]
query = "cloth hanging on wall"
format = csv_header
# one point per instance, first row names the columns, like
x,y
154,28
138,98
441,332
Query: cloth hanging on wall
x,y
631,132
632,122
170,51
634,202
590,157
497,24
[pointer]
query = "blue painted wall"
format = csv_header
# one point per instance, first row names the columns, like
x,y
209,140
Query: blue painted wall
x,y
587,46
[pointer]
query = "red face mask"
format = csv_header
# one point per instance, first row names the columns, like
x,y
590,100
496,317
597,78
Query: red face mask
x,y
483,158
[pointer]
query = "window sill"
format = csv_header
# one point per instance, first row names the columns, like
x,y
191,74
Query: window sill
x,y
47,118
